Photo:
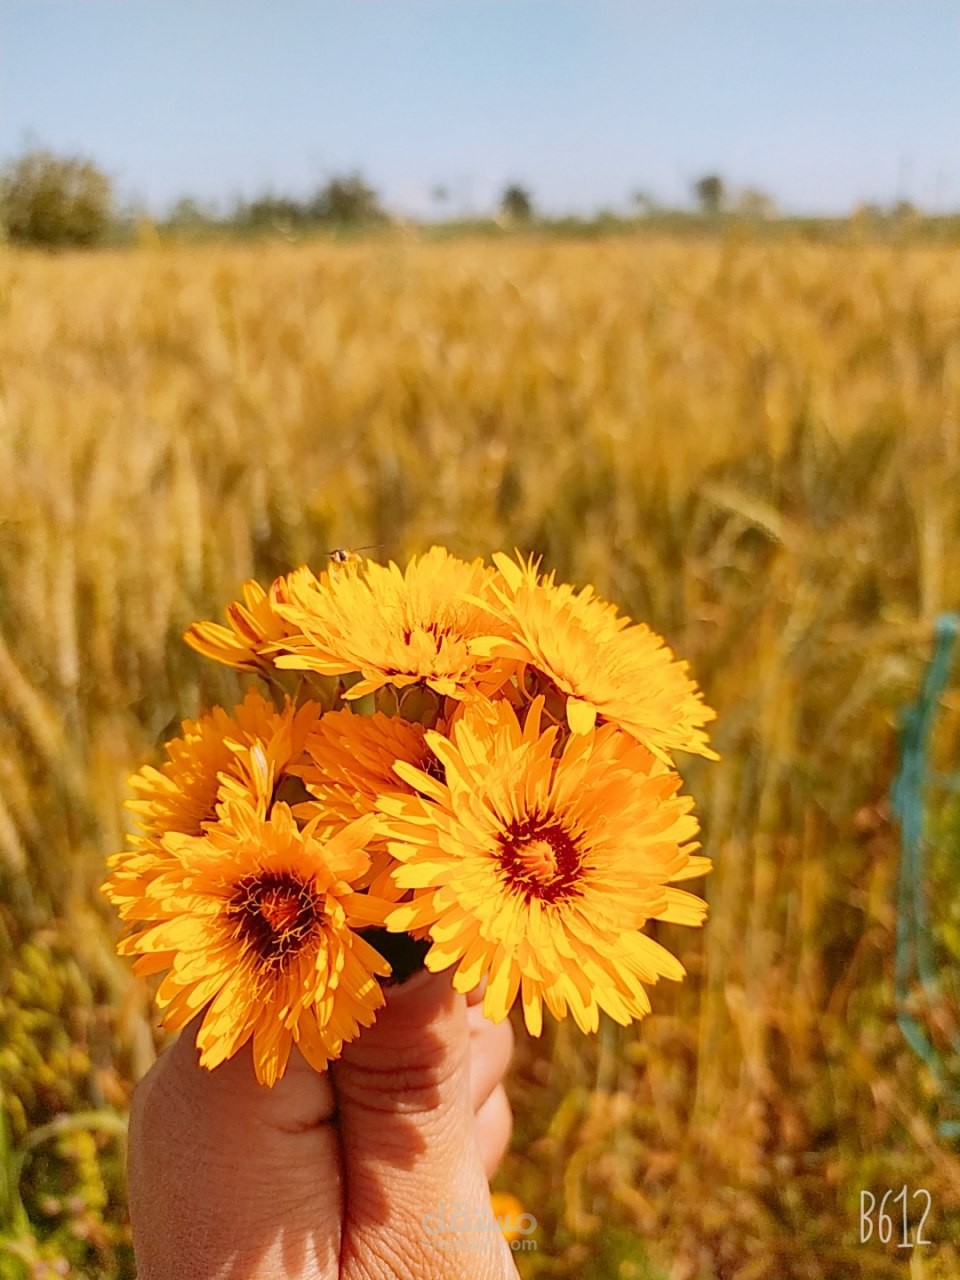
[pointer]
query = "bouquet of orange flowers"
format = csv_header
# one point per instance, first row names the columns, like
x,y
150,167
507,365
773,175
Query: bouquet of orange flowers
x,y
477,758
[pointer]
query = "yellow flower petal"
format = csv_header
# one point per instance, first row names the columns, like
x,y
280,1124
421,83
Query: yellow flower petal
x,y
581,716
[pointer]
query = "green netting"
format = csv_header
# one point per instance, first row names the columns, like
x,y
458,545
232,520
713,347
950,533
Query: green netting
x,y
926,800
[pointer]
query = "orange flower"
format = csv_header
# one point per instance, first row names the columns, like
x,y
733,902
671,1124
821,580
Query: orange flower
x,y
218,757
606,668
350,767
394,628
349,760
255,632
537,866
256,923
513,1221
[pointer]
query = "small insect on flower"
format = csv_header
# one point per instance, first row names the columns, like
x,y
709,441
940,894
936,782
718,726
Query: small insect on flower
x,y
343,555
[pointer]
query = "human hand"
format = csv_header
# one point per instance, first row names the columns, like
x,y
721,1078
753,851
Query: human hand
x,y
344,1175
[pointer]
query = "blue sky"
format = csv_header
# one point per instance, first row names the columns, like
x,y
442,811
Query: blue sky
x,y
822,103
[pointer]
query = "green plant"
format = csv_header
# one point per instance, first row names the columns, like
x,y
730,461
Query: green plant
x,y
55,201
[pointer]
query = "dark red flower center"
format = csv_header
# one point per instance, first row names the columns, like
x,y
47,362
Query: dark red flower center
x,y
541,860
275,914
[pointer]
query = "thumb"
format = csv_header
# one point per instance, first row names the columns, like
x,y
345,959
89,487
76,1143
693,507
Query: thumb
x,y
228,1178
416,1199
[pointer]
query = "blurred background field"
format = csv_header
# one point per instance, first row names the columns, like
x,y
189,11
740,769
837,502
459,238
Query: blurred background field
x,y
751,443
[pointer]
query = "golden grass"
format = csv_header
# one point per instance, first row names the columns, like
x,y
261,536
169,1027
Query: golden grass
x,y
754,447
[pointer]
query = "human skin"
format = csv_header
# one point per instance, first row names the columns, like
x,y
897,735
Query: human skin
x,y
354,1174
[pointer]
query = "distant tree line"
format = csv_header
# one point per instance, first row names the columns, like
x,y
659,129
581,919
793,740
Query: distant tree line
x,y
58,201
344,201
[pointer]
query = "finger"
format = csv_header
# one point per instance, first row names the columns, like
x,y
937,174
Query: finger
x,y
494,1123
224,1173
491,1048
411,1154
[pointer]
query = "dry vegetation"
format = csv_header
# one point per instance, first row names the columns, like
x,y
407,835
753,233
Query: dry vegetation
x,y
755,447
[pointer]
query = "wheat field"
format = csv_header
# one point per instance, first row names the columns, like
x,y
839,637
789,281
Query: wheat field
x,y
753,446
